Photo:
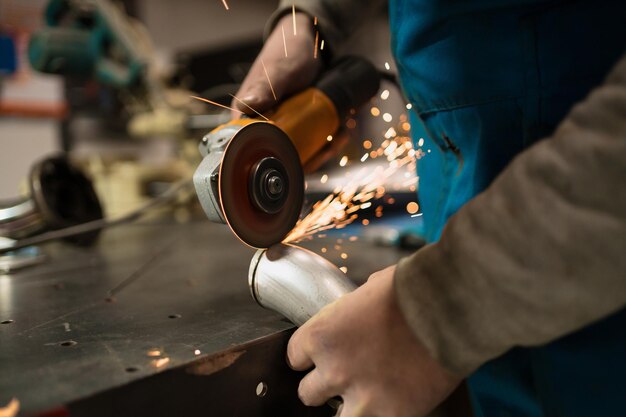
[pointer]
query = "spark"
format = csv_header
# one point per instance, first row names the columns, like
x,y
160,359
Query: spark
x,y
329,138
282,27
248,106
293,14
409,106
375,111
324,250
344,256
217,104
225,4
11,409
344,161
367,144
317,37
324,179
364,157
417,215
159,363
353,238
344,269
406,126
387,117
420,142
322,45
154,352
387,66
196,352
365,222
384,95
269,81
412,207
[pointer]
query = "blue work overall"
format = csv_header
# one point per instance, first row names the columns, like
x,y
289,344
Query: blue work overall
x,y
487,79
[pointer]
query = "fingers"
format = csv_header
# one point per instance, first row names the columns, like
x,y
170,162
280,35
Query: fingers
x,y
297,356
314,390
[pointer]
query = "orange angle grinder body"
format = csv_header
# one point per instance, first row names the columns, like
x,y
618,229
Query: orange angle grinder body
x,y
251,175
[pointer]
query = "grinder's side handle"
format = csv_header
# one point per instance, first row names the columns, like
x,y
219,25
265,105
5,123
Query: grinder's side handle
x,y
311,116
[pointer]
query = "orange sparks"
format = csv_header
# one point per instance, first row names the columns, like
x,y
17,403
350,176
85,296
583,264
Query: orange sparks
x,y
217,104
225,4
269,81
362,188
317,38
375,111
246,104
282,27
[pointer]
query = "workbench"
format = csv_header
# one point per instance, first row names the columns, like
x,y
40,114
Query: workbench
x,y
154,320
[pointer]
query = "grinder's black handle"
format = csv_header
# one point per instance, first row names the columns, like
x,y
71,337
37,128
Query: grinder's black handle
x,y
349,83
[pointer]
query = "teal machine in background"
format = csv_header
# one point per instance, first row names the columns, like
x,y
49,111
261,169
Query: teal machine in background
x,y
91,39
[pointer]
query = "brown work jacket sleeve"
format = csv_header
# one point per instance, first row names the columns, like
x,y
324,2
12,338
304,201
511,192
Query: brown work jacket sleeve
x,y
539,254
336,19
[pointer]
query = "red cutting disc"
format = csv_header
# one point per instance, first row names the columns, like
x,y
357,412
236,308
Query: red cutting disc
x,y
250,145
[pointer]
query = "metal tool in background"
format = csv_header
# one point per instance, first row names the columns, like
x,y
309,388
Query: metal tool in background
x,y
59,196
96,39
251,175
295,282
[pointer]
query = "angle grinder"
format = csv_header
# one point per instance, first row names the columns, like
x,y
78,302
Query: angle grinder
x,y
251,175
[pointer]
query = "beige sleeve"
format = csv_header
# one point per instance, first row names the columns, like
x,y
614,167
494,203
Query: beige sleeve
x,y
337,19
539,254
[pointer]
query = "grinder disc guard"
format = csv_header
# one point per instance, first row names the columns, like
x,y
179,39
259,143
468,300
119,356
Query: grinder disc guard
x,y
261,184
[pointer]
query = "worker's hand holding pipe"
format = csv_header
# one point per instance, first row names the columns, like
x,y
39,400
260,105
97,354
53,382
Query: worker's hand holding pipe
x,y
285,66
360,348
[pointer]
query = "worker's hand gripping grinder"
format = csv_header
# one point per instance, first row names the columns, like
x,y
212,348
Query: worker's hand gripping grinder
x,y
251,174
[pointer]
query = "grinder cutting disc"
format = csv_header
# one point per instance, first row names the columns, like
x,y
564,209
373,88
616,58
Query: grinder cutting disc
x,y
261,184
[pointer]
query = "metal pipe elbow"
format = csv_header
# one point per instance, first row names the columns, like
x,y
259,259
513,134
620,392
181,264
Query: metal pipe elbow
x,y
295,282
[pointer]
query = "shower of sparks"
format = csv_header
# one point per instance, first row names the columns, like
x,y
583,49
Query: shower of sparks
x,y
225,4
217,104
340,208
246,104
269,81
293,14
317,36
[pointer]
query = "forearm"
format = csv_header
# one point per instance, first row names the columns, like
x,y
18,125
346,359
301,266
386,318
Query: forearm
x,y
337,19
539,254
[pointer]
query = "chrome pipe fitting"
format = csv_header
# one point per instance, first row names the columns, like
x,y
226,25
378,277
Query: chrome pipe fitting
x,y
295,282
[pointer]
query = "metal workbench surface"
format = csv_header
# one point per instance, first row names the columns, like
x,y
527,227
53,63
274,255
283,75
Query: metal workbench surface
x,y
146,302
